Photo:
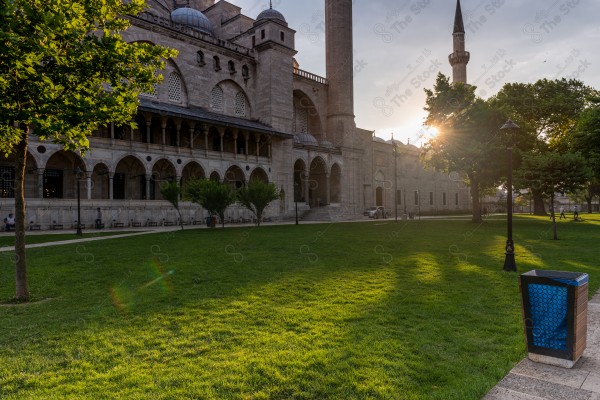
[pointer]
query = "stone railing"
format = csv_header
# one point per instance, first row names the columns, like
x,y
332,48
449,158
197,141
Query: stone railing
x,y
312,77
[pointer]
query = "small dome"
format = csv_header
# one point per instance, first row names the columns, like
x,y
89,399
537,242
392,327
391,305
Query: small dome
x,y
192,18
326,143
378,139
306,138
269,13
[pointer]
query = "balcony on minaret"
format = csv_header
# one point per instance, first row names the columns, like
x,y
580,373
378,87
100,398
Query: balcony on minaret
x,y
459,57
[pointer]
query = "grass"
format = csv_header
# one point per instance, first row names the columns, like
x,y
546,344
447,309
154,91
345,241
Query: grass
x,y
381,310
9,240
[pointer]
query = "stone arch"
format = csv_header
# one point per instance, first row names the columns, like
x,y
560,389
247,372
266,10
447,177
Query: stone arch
x,y
172,73
60,177
163,171
8,173
129,179
215,176
100,181
235,176
306,116
318,182
231,91
217,99
335,182
259,174
190,171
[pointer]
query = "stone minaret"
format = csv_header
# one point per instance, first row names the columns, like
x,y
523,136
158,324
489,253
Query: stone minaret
x,y
460,57
340,72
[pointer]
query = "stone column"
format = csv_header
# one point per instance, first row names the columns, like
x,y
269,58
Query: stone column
x,y
111,188
148,179
270,143
247,146
328,187
205,129
221,135
112,130
235,144
149,131
192,138
164,131
178,139
305,178
257,146
40,183
88,184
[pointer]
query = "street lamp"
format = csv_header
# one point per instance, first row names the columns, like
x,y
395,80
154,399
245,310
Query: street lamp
x,y
296,190
395,179
78,173
509,261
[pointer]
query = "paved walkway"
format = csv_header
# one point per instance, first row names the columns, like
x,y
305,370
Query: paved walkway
x,y
532,381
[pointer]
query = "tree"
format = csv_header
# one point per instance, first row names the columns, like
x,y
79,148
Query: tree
x,y
213,196
171,192
586,140
553,172
547,112
256,196
65,70
469,139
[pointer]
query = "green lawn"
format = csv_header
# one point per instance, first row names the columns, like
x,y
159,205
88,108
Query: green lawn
x,y
379,310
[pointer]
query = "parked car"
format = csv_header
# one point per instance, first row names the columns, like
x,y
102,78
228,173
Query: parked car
x,y
375,212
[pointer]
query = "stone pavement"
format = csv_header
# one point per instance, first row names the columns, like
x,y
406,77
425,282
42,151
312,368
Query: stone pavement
x,y
532,381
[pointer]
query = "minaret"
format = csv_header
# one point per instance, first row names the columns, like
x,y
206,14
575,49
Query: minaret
x,y
340,71
460,57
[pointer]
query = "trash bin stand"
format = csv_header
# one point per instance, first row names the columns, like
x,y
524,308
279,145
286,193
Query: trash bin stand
x,y
555,315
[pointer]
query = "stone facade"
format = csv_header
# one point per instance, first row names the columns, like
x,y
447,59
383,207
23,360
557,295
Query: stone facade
x,y
233,106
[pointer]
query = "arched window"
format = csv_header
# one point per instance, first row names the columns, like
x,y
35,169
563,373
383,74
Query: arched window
x,y
300,120
175,87
245,72
216,99
231,67
240,104
217,63
200,58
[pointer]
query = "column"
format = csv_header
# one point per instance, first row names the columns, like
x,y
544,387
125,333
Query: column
x,y
192,138
88,184
257,146
270,143
221,135
111,188
247,145
148,179
328,187
235,144
112,130
178,139
205,130
304,177
164,131
40,183
148,131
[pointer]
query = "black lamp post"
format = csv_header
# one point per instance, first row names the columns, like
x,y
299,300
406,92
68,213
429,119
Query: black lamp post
x,y
509,260
395,179
296,190
78,176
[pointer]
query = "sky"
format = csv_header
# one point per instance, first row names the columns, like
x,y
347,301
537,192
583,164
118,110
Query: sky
x,y
401,45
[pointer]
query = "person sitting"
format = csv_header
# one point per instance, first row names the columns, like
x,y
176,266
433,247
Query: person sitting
x,y
9,223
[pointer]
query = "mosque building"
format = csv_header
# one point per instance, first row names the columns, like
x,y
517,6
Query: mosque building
x,y
235,106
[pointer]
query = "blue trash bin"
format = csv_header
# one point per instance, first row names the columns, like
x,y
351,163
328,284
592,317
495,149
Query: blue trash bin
x,y
555,315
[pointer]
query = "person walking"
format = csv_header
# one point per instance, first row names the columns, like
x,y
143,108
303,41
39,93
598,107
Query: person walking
x,y
562,213
575,214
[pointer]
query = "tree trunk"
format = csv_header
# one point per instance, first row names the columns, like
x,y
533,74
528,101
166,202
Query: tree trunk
x,y
588,200
553,216
475,199
22,287
538,202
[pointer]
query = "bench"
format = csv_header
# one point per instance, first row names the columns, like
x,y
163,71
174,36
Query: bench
x,y
168,223
35,227
152,223
136,224
56,227
99,227
198,222
118,224
74,226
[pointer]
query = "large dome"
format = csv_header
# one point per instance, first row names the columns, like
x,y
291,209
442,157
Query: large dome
x,y
269,13
192,18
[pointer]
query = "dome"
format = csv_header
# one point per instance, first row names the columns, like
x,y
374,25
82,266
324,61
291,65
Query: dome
x,y
326,143
378,139
192,18
269,13
306,138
